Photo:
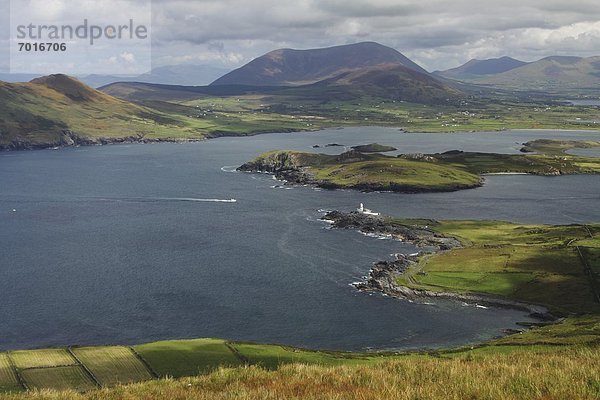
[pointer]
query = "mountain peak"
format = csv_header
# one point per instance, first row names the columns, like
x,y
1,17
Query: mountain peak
x,y
69,86
291,67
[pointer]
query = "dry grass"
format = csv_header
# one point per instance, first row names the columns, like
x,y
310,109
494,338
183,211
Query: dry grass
x,y
570,373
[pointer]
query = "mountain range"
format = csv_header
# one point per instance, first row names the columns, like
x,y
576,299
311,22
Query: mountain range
x,y
476,68
561,75
361,70
189,75
47,110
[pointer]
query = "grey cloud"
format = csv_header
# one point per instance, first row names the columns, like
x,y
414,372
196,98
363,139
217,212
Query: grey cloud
x,y
368,9
437,33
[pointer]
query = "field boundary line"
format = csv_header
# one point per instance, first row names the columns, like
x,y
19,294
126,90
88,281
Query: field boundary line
x,y
144,362
587,228
51,366
20,379
237,354
85,368
591,275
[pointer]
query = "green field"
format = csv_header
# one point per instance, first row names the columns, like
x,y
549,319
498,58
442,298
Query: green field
x,y
187,357
42,358
58,378
388,174
534,264
113,365
8,376
273,356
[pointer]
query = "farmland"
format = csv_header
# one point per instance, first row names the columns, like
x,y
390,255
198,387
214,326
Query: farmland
x,y
79,369
113,365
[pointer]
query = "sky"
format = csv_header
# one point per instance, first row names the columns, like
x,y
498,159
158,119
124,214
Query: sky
x,y
436,34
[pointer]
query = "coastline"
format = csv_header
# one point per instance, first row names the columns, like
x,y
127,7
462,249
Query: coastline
x,y
383,274
68,138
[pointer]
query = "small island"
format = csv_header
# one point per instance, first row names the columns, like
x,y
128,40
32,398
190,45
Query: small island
x,y
374,148
557,147
413,173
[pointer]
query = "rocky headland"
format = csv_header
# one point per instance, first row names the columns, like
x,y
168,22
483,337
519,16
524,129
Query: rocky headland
x,y
383,276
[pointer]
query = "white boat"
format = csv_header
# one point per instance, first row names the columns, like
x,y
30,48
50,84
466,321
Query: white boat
x,y
366,211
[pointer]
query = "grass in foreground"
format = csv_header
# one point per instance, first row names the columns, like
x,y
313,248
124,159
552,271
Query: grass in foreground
x,y
567,373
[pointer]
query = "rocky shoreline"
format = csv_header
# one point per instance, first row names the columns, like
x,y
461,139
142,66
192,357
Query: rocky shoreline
x,y
383,275
292,169
67,138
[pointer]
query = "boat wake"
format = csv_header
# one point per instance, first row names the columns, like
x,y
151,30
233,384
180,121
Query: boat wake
x,y
196,199
165,199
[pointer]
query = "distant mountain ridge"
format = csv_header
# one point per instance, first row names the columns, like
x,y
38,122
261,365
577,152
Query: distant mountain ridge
x,y
184,74
561,75
288,67
476,67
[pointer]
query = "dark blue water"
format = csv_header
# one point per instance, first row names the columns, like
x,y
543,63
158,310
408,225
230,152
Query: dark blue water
x,y
125,244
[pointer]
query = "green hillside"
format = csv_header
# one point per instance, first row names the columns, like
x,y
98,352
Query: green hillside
x,y
59,110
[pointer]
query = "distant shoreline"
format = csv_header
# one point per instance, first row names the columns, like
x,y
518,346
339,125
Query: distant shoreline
x,y
68,138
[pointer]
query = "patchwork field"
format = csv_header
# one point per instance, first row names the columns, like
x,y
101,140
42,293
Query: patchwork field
x,y
42,358
534,264
113,365
8,377
58,378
